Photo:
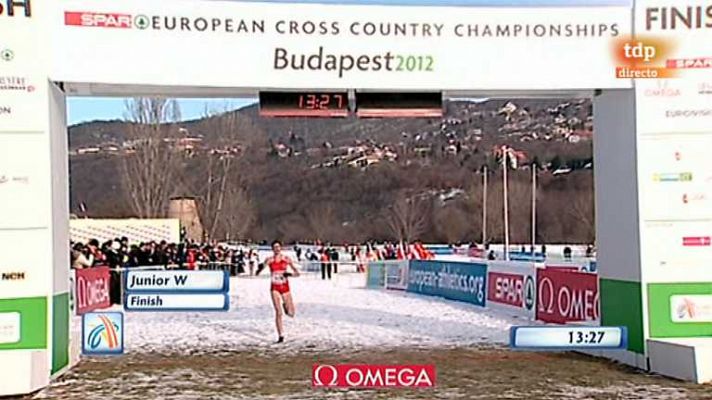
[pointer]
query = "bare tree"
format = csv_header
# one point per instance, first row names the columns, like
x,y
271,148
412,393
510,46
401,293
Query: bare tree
x,y
293,228
452,223
407,217
323,222
148,171
226,208
239,213
581,209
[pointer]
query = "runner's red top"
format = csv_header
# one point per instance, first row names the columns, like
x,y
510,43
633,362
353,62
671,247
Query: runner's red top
x,y
277,268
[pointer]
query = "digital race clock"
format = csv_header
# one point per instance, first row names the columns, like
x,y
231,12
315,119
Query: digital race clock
x,y
304,104
568,337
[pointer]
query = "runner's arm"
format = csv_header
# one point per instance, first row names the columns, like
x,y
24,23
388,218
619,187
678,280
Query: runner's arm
x,y
260,267
293,265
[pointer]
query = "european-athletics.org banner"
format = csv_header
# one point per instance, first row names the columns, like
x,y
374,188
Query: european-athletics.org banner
x,y
451,280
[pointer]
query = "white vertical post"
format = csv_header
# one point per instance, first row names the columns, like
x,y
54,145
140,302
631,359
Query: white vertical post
x,y
484,207
505,156
533,207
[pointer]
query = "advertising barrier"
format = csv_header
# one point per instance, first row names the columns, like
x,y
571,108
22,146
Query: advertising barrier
x,y
512,286
452,280
565,297
397,275
524,256
91,289
565,267
376,275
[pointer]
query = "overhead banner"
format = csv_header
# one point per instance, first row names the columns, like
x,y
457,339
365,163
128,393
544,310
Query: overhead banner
x,y
262,45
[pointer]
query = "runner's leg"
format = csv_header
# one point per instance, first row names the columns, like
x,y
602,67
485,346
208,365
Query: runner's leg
x,y
289,304
277,303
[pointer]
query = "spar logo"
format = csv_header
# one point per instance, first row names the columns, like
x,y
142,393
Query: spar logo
x,y
373,376
512,289
106,20
697,241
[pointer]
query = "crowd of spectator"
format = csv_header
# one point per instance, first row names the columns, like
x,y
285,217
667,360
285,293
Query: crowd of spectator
x,y
118,253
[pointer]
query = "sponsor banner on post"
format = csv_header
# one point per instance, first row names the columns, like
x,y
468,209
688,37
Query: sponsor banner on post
x,y
564,297
92,289
451,280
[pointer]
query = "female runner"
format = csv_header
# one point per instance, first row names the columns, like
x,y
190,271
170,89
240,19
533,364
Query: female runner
x,y
279,266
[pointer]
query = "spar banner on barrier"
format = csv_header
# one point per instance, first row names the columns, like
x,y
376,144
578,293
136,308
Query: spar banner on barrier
x,y
564,296
92,289
451,280
512,285
397,275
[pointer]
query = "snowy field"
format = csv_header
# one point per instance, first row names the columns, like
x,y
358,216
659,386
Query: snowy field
x,y
233,355
331,315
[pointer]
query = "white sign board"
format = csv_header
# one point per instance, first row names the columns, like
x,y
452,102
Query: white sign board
x,y
9,327
259,45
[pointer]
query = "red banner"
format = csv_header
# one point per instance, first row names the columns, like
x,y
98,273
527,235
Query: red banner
x,y
506,288
567,268
372,376
564,296
92,289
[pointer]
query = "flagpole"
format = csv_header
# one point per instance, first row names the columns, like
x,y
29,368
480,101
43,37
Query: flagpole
x,y
505,202
533,207
484,208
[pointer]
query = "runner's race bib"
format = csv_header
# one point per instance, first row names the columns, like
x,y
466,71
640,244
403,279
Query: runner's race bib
x,y
279,278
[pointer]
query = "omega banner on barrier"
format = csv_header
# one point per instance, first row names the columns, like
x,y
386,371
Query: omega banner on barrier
x,y
566,296
91,289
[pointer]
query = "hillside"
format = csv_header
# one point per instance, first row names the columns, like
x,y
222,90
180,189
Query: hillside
x,y
309,178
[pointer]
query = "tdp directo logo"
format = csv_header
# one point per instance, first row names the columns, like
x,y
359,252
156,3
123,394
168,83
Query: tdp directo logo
x,y
106,20
373,376
103,333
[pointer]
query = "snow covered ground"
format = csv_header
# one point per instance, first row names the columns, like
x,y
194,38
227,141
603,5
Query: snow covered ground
x,y
331,315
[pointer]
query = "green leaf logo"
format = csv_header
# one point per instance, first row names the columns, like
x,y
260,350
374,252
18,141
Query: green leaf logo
x,y
141,22
7,55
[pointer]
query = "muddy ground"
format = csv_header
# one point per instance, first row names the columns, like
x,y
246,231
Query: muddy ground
x,y
462,373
